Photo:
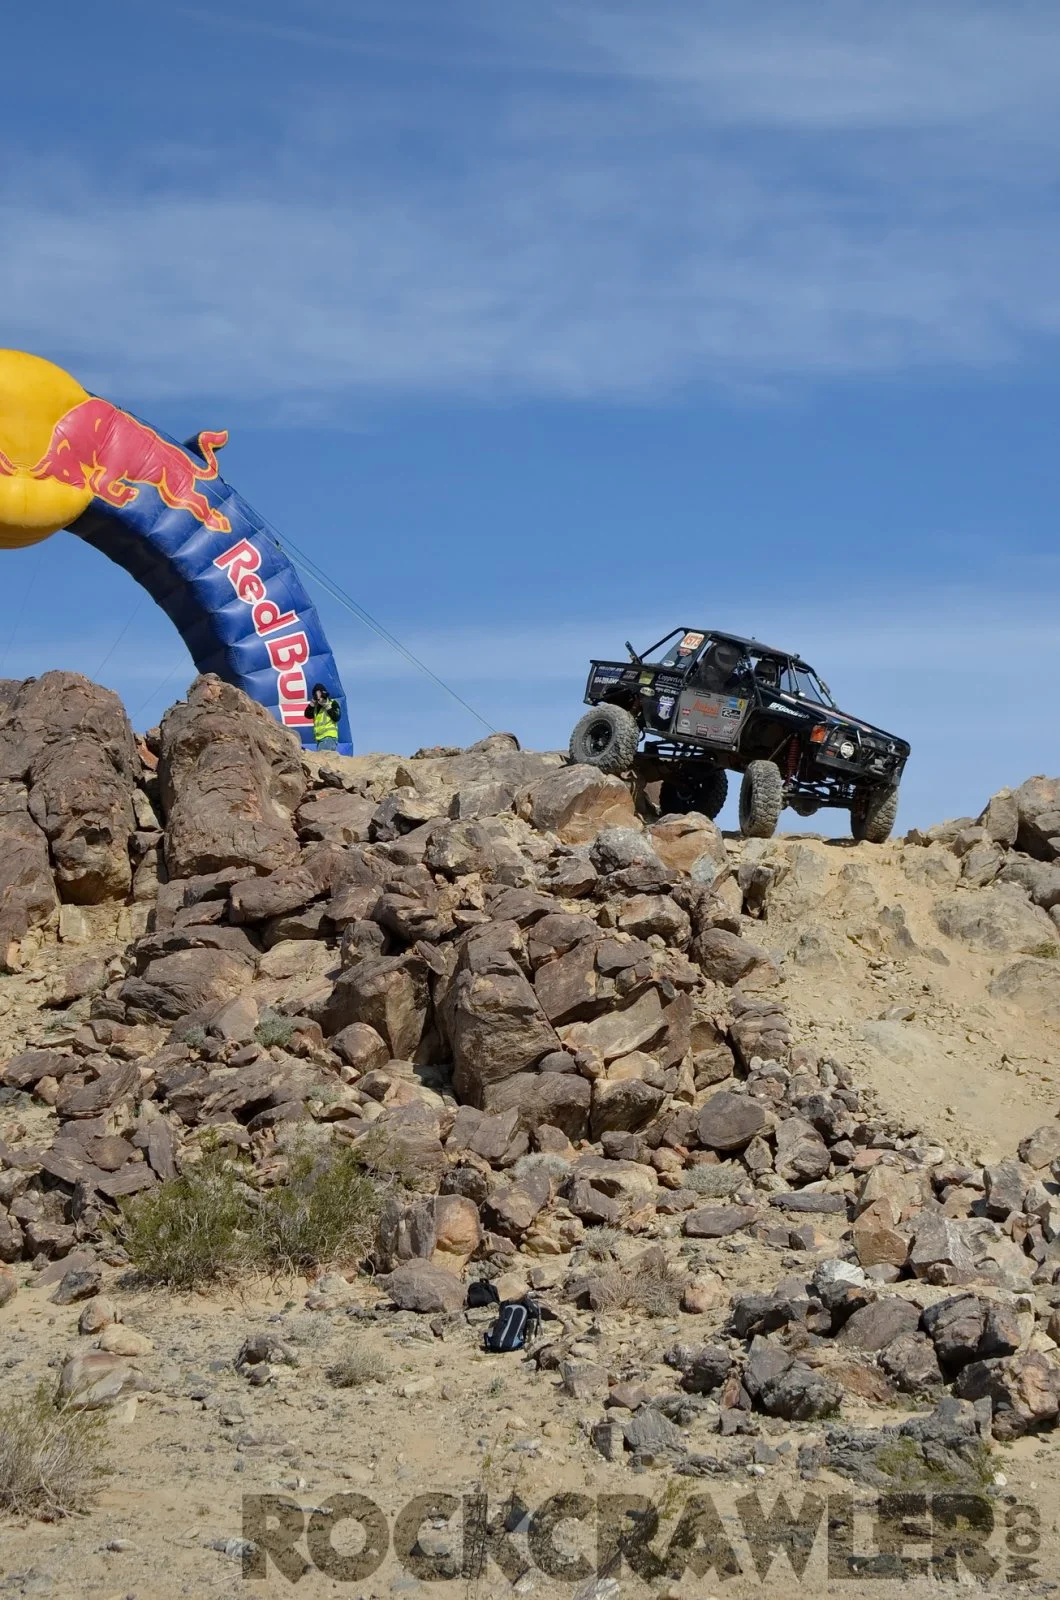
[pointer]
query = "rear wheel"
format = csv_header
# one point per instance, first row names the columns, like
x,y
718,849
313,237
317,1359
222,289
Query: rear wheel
x,y
703,791
873,814
606,737
761,800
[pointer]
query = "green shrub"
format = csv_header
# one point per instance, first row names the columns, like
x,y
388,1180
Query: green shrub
x,y
325,1212
193,1229
49,1457
194,1036
274,1029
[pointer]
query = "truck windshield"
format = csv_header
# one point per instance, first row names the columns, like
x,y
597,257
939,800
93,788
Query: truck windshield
x,y
805,682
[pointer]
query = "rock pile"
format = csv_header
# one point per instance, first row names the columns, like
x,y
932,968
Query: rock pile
x,y
558,1014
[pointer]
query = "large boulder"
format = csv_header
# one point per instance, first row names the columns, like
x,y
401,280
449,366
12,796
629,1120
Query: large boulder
x,y
996,919
1032,985
1038,802
231,778
575,803
496,1028
70,742
388,993
187,980
27,889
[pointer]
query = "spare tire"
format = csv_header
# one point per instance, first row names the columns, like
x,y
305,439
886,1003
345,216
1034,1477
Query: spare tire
x,y
606,737
761,800
873,814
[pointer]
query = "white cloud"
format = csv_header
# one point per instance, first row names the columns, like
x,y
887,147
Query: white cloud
x,y
655,197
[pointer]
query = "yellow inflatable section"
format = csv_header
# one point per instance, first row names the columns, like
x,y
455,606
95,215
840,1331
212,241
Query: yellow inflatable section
x,y
34,396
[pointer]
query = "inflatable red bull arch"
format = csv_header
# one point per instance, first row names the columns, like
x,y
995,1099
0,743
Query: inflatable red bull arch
x,y
162,511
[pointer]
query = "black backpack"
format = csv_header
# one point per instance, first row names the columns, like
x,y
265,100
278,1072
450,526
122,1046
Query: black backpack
x,y
517,1324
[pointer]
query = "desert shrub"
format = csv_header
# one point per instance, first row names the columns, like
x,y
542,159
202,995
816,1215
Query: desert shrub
x,y
715,1181
356,1367
274,1029
325,1212
194,1036
49,1457
193,1229
647,1284
601,1243
556,1167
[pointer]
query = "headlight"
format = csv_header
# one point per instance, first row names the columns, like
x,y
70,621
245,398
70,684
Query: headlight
x,y
846,749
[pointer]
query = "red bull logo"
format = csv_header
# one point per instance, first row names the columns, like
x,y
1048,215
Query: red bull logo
x,y
288,656
99,447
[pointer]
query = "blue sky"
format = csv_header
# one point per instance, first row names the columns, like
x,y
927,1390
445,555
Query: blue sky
x,y
546,326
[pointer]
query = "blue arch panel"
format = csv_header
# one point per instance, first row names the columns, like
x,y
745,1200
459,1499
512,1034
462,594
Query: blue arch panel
x,y
233,594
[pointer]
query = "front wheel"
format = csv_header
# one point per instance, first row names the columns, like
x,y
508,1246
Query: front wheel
x,y
705,792
761,800
873,814
606,737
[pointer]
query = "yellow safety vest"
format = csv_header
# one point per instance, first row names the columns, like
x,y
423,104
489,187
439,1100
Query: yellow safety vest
x,y
324,724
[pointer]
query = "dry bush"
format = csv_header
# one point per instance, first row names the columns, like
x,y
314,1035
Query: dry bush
x,y
49,1457
358,1367
648,1284
715,1182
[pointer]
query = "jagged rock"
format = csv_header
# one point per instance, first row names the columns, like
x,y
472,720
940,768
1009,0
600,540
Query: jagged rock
x,y
175,985
1032,985
1022,1391
684,843
26,1070
566,988
334,817
625,1104
646,914
759,1028
801,1153
614,849
496,1028
783,1387
557,1099
1041,1147
620,1030
1038,803
725,957
999,818
27,888
910,1361
388,993
575,803
649,1432
939,1250
966,1328
231,778
996,919
1005,1185
70,741
878,1324
729,1121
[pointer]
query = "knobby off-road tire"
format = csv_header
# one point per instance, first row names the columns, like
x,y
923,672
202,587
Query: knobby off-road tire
x,y
761,800
872,815
705,793
606,737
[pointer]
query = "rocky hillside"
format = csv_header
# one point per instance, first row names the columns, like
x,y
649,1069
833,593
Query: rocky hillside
x,y
806,1088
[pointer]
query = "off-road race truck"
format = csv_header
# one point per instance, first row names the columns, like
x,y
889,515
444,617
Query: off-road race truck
x,y
706,703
